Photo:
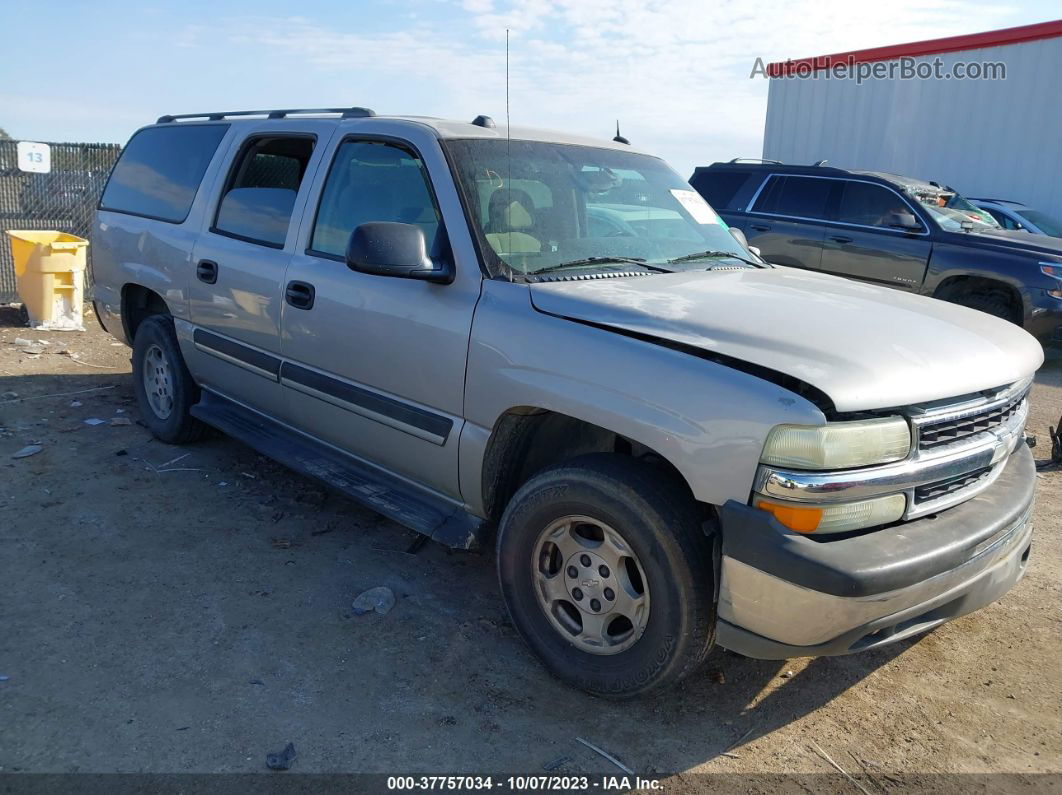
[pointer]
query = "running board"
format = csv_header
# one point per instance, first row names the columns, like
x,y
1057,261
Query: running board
x,y
436,518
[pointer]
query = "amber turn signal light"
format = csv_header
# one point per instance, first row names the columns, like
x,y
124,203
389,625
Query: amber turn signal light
x,y
798,518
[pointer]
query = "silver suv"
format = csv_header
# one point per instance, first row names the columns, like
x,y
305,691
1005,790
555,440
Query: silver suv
x,y
555,343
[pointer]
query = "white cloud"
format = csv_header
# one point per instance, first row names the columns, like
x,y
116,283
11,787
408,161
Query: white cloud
x,y
675,72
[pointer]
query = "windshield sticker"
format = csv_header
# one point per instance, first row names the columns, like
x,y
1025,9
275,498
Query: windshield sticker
x,y
696,206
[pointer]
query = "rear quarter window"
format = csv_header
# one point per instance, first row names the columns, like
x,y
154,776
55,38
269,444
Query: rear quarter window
x,y
160,169
719,187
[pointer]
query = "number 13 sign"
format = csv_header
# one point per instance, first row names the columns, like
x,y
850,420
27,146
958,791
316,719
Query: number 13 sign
x,y
34,157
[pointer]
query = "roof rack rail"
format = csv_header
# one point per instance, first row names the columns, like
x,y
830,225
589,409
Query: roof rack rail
x,y
346,113
755,160
986,199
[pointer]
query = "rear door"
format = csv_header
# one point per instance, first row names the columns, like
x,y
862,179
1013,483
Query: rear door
x,y
787,219
239,261
861,244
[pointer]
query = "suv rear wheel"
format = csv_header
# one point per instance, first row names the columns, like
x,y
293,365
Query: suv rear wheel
x,y
164,388
608,575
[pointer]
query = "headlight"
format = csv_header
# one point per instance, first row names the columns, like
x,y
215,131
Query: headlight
x,y
1054,270
838,445
834,517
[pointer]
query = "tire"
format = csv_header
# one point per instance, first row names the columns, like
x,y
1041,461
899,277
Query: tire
x,y
660,525
157,354
989,303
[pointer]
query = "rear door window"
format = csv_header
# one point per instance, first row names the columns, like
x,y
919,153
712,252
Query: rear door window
x,y
799,197
259,195
160,170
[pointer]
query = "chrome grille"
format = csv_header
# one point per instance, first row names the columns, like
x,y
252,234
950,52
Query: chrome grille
x,y
936,434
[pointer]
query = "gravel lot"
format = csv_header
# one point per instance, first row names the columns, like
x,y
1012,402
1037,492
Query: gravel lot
x,y
163,613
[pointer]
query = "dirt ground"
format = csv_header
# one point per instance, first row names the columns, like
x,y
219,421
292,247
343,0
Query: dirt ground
x,y
188,609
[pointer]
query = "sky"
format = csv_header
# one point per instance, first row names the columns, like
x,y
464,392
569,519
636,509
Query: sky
x,y
675,73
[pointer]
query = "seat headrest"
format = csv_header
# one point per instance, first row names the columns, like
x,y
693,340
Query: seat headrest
x,y
511,209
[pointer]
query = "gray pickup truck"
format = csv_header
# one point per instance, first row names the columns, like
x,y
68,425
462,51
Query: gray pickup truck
x,y
554,344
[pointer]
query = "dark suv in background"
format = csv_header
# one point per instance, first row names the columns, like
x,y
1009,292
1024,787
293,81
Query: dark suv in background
x,y
917,236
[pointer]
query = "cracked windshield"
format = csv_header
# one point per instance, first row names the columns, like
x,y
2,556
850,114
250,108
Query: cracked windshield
x,y
542,207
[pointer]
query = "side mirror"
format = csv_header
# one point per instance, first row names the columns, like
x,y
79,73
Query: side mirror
x,y
385,248
904,221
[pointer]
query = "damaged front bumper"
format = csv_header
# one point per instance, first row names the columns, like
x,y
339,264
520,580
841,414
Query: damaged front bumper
x,y
784,595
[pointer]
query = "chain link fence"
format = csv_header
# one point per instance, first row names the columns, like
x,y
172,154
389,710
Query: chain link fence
x,y
64,199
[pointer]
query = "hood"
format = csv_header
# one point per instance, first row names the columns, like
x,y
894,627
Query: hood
x,y
866,347
1010,239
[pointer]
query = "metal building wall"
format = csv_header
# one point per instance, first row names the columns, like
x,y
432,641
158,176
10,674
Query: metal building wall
x,y
999,139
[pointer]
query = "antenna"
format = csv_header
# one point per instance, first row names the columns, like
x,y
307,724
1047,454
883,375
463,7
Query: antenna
x,y
508,151
619,138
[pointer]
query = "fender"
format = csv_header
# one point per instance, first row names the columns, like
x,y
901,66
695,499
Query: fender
x,y
708,420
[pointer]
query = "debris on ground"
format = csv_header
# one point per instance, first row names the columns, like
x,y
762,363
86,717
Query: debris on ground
x,y
379,599
27,451
28,346
787,675
815,747
75,404
282,760
718,677
94,421
607,756
121,421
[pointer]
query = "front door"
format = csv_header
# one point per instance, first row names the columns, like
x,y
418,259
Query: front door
x,y
862,242
376,365
239,261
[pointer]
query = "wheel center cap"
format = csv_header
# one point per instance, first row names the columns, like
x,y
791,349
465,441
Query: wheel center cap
x,y
591,582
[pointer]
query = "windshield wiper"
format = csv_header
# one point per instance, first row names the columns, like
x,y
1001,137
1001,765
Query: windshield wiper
x,y
575,263
713,255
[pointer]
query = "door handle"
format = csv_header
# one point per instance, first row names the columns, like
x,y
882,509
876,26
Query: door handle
x,y
207,271
760,227
299,294
840,239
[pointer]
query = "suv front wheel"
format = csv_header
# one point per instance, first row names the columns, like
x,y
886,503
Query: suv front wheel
x,y
164,388
608,575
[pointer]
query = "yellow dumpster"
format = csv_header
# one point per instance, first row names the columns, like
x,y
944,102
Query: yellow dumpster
x,y
50,277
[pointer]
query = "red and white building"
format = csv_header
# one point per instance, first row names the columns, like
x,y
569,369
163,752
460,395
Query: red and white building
x,y
996,137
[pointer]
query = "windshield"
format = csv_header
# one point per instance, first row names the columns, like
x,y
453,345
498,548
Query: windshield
x,y
950,210
544,206
1044,222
